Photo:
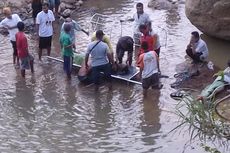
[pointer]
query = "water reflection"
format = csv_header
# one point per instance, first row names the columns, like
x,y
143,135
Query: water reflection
x,y
150,125
172,17
23,102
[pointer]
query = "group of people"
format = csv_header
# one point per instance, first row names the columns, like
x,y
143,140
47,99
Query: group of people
x,y
99,56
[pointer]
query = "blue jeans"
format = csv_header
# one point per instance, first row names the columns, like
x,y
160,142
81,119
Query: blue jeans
x,y
106,69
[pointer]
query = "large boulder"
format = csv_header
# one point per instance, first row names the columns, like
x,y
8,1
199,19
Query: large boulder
x,y
210,16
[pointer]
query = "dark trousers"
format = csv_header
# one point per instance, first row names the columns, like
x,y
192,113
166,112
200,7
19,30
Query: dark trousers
x,y
195,57
106,69
67,65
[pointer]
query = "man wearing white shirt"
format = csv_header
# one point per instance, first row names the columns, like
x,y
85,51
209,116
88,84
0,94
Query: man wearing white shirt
x,y
10,23
139,18
44,22
197,48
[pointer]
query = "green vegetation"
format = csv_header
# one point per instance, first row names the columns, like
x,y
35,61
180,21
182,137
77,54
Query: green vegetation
x,y
202,122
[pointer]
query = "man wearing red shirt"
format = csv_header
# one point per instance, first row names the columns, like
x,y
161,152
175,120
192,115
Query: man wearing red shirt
x,y
22,48
146,37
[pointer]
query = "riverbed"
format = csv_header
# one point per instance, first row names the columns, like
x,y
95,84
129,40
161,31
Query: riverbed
x,y
45,113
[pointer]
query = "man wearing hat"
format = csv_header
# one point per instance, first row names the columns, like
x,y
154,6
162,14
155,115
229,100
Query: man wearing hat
x,y
101,58
10,23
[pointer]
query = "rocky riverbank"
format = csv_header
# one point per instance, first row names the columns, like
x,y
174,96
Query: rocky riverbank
x,y
211,17
23,8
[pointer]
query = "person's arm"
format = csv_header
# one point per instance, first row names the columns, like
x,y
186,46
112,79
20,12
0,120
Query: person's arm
x,y
86,60
37,25
129,19
79,28
140,64
109,55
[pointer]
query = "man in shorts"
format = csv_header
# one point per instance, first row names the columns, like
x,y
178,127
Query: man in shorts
x,y
149,67
26,59
44,22
10,23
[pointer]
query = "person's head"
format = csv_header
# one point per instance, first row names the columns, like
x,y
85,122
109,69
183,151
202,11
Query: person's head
x,y
7,12
229,63
20,26
45,7
195,37
145,46
66,14
99,34
140,8
68,20
143,29
67,27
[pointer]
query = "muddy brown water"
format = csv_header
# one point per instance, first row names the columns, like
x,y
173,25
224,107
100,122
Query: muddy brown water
x,y
46,114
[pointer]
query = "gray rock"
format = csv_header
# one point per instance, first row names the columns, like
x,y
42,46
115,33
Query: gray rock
x,y
210,16
164,4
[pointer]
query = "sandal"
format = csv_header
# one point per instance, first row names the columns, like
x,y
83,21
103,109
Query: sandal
x,y
177,94
181,74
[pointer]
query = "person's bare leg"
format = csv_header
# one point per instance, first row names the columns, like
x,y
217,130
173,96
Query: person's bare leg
x,y
56,10
32,66
14,59
23,73
40,54
48,51
17,60
144,92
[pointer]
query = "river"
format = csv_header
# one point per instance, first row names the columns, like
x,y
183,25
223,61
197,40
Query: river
x,y
44,113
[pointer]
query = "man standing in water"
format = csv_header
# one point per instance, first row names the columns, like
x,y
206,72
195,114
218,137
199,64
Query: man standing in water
x,y
10,23
44,23
27,60
149,67
197,48
139,18
101,59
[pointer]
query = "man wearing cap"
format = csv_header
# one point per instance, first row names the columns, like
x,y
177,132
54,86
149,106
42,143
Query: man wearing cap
x,y
44,23
100,57
74,27
10,23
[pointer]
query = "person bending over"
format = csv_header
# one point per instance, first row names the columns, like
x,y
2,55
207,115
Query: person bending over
x,y
124,44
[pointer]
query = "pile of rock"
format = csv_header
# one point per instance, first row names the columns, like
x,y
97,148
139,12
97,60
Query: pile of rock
x,y
69,6
24,10
211,17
